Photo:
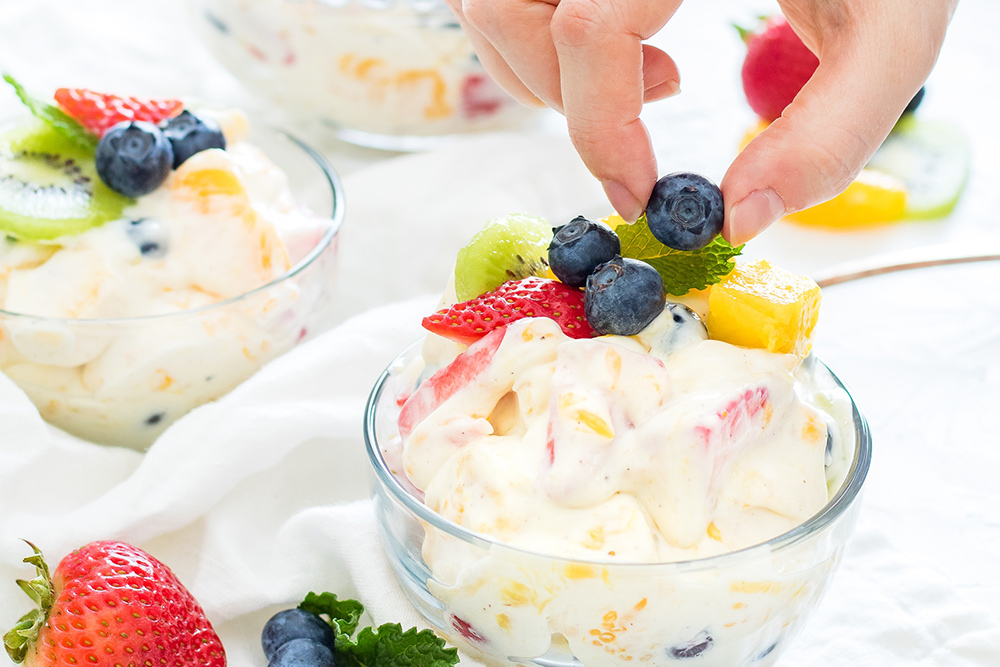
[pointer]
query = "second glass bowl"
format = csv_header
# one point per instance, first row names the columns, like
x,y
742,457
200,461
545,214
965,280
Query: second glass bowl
x,y
124,381
505,605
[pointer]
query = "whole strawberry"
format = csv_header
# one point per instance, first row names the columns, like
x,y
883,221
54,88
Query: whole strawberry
x,y
469,321
97,112
776,67
111,604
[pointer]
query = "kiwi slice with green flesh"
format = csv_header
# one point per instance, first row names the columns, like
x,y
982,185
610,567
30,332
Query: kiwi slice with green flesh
x,y
49,186
932,158
509,248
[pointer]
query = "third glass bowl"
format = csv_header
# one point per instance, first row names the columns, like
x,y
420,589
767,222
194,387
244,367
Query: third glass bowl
x,y
389,74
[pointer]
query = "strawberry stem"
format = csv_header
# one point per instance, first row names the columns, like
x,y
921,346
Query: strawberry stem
x,y
744,33
18,639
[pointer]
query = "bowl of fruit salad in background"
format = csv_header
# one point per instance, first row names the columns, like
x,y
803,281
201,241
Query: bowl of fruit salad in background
x,y
395,74
614,446
919,172
154,256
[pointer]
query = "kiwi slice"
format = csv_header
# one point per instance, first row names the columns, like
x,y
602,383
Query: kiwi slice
x,y
49,185
932,158
509,248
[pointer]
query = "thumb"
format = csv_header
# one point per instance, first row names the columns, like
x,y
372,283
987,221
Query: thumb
x,y
822,139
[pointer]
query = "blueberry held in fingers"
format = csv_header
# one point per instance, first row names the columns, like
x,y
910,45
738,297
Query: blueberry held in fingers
x,y
578,247
133,158
685,211
623,296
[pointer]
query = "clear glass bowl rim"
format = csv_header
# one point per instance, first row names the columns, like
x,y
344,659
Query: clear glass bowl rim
x,y
845,497
336,219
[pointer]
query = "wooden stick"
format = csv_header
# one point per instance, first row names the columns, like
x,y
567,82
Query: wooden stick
x,y
886,264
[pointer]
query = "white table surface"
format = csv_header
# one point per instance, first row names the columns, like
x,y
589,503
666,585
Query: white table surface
x,y
921,351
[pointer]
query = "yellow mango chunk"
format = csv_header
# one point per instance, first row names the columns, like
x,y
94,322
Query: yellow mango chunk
x,y
758,305
210,182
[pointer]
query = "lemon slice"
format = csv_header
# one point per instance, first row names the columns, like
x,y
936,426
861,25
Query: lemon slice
x,y
873,198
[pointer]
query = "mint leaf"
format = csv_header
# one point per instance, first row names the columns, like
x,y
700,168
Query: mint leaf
x,y
390,646
343,615
681,270
55,117
386,646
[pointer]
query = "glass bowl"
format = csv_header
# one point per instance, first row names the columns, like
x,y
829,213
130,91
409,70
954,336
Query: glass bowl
x,y
388,74
123,381
506,605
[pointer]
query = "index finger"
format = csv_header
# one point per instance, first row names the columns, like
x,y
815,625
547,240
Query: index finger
x,y
600,51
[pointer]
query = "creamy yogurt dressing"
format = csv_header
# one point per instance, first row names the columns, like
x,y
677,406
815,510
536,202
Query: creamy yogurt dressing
x,y
222,225
388,68
612,448
655,448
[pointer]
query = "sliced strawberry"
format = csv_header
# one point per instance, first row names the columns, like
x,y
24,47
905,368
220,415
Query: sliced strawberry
x,y
480,96
99,111
439,387
466,629
516,299
776,67
744,414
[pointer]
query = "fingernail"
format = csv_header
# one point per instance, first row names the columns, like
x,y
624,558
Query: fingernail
x,y
662,91
754,213
623,200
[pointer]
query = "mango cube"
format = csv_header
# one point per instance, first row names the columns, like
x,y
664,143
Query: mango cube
x,y
762,306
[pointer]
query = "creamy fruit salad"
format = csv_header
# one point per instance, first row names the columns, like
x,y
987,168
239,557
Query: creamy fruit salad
x,y
396,69
590,423
131,264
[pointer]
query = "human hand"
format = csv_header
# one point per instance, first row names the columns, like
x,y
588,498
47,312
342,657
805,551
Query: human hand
x,y
585,58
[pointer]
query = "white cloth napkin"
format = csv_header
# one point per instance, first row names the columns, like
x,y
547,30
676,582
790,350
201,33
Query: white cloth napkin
x,y
262,496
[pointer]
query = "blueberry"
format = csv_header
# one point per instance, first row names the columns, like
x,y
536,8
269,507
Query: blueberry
x,y
189,134
680,327
766,652
292,624
692,648
302,653
914,102
133,158
623,296
828,453
578,247
685,211
150,236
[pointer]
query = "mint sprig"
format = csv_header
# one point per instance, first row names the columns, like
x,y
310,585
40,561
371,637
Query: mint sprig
x,y
386,646
343,615
681,270
55,117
